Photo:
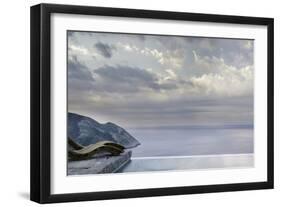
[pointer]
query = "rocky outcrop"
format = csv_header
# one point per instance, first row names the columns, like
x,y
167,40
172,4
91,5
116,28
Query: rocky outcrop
x,y
86,131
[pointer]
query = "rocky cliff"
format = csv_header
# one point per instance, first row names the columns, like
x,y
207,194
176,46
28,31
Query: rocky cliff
x,y
85,131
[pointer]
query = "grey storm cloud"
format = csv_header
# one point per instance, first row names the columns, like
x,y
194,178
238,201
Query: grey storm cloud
x,y
70,33
141,37
104,49
79,76
131,78
126,73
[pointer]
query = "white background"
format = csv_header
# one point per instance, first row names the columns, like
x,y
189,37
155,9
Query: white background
x,y
14,102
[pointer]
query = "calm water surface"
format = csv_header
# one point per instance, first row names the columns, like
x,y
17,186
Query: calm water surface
x,y
191,148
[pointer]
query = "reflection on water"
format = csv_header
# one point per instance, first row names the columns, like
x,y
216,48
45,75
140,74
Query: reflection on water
x,y
183,142
190,163
181,149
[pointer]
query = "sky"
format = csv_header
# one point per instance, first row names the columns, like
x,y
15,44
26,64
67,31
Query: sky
x,y
139,80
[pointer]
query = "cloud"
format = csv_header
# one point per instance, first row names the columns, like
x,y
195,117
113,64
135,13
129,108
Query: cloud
x,y
222,79
128,47
160,80
124,79
173,59
148,111
171,75
125,73
78,49
79,76
141,37
104,49
248,45
167,58
70,33
236,52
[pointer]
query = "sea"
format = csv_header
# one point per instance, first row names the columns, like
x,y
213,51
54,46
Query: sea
x,y
191,148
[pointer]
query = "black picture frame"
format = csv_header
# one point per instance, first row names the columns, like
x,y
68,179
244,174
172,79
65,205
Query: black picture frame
x,y
41,102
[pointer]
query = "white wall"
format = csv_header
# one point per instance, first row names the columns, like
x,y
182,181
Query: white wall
x,y
14,102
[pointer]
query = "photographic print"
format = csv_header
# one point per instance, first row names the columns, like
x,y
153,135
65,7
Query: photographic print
x,y
130,103
144,103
